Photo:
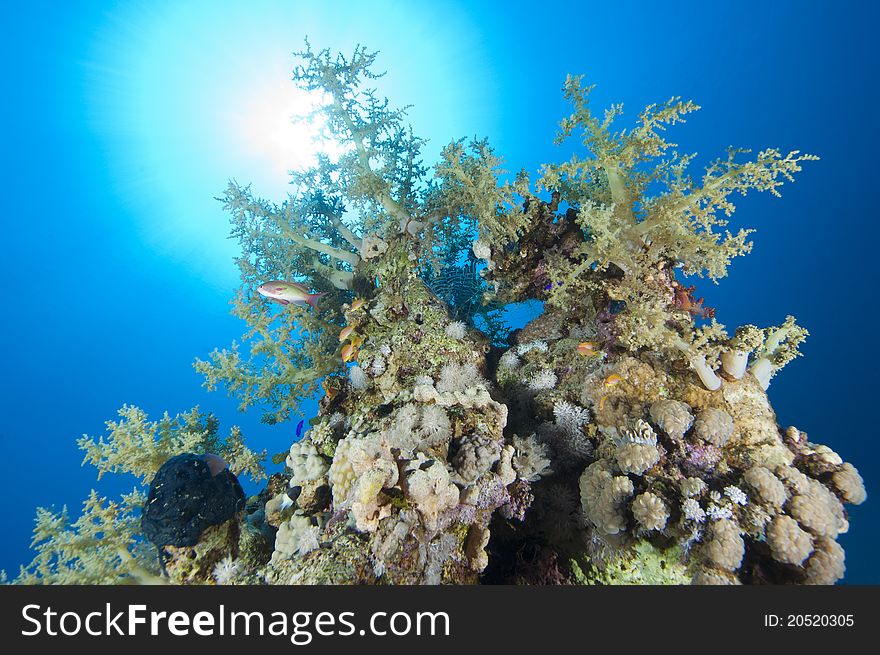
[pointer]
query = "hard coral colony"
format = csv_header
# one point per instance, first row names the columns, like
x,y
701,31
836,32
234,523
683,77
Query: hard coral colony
x,y
613,439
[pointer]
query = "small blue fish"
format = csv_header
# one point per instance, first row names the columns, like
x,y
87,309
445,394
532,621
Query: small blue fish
x,y
299,429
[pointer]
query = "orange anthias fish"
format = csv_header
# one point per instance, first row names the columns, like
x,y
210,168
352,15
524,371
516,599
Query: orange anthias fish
x,y
349,352
357,304
346,333
588,348
286,293
329,387
612,380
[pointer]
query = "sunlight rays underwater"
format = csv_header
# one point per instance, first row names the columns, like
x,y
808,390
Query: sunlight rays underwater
x,y
184,97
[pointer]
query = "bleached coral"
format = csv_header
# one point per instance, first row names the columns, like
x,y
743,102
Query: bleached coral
x,y
714,426
650,511
850,484
826,566
725,547
770,489
543,380
456,330
532,460
305,463
603,496
788,543
672,416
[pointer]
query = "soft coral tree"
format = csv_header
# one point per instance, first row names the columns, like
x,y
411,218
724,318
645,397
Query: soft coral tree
x,y
643,214
337,215
102,546
634,216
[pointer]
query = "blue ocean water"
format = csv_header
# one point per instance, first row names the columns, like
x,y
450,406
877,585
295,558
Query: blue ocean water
x,y
122,122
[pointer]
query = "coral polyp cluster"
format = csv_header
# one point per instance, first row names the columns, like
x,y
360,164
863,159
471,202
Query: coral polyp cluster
x,y
622,436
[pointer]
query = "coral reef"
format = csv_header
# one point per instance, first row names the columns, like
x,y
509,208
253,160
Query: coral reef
x,y
621,437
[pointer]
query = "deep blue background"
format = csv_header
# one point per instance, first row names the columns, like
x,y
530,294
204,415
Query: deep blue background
x,y
99,310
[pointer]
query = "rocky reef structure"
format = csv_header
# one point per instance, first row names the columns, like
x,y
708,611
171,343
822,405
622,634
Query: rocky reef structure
x,y
621,437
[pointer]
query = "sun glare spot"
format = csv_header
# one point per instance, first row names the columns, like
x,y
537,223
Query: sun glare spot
x,y
276,131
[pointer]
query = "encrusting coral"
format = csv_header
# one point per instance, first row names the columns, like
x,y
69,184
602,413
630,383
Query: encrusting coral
x,y
622,436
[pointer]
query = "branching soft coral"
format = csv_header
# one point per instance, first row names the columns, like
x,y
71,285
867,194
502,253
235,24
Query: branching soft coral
x,y
381,176
677,225
138,446
339,215
781,345
470,186
637,213
291,349
102,546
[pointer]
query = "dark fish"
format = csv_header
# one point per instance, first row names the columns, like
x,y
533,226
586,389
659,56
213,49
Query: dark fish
x,y
616,306
299,429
